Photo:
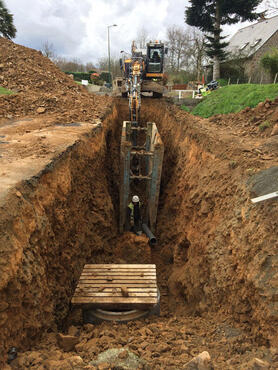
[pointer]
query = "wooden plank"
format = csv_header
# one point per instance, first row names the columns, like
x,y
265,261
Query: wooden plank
x,y
119,266
117,277
118,289
122,267
119,270
100,286
140,279
112,295
127,276
118,281
113,291
105,276
98,273
114,300
126,285
113,284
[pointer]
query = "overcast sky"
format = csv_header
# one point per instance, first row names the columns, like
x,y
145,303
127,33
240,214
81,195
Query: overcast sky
x,y
78,28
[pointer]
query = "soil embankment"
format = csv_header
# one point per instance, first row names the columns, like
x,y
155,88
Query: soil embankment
x,y
51,224
223,246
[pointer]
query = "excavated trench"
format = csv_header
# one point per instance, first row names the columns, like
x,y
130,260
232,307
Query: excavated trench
x,y
211,255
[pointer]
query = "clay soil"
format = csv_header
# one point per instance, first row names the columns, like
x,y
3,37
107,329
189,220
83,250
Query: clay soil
x,y
216,254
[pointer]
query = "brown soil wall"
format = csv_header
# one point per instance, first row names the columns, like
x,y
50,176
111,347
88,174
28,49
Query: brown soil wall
x,y
49,226
223,247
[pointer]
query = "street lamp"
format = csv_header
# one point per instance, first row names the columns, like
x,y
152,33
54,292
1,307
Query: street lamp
x,y
109,66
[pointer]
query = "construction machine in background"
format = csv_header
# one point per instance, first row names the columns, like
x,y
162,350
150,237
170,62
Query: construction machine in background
x,y
142,149
151,61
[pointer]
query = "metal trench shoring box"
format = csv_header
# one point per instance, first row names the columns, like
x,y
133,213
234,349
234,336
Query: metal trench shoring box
x,y
149,159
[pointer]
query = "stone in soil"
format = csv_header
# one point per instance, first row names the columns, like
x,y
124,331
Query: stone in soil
x,y
118,357
67,342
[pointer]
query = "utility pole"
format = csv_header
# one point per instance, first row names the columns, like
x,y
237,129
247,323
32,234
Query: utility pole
x,y
109,64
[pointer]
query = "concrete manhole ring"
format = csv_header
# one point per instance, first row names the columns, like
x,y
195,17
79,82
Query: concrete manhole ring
x,y
98,315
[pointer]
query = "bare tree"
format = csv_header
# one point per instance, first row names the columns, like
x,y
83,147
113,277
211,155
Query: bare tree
x,y
73,65
89,67
186,50
114,65
70,65
196,55
48,50
178,41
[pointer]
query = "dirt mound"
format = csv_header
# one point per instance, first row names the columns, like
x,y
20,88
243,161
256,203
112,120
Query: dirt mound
x,y
24,69
41,88
261,121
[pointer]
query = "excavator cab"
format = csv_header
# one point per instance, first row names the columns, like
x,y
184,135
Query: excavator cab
x,y
155,59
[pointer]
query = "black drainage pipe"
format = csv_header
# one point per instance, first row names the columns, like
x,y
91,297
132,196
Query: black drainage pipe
x,y
149,234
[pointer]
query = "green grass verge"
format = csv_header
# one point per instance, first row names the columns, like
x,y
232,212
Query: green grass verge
x,y
234,98
4,91
186,108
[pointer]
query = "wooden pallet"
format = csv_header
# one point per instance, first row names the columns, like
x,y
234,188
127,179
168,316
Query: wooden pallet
x,y
117,287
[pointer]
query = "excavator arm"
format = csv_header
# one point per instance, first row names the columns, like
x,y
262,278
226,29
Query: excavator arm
x,y
141,152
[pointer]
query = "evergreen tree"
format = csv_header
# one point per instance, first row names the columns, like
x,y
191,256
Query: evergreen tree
x,y
7,28
210,15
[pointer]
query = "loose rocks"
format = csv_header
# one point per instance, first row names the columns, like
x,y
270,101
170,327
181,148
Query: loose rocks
x,y
201,362
122,358
67,342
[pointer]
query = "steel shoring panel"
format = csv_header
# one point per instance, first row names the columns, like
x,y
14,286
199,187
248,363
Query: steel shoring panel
x,y
151,157
148,145
125,174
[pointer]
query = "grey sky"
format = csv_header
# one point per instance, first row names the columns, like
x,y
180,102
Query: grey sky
x,y
78,28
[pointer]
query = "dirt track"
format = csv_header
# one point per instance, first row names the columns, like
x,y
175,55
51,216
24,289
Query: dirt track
x,y
216,256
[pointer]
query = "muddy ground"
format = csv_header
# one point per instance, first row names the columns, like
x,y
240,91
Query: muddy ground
x,y
216,254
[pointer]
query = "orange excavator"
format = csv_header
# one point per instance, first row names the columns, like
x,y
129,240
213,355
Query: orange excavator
x,y
148,66
141,146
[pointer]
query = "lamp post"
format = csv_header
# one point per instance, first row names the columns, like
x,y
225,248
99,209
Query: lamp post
x,y
109,66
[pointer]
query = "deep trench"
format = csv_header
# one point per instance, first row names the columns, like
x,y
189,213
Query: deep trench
x,y
61,226
68,216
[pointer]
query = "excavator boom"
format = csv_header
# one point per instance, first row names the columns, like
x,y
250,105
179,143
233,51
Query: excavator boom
x,y
141,150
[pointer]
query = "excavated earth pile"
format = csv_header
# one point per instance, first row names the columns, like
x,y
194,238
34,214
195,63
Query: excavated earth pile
x,y
216,254
40,88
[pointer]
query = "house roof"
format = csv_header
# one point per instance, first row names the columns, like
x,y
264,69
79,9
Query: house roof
x,y
249,39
